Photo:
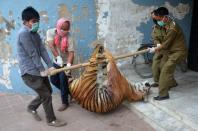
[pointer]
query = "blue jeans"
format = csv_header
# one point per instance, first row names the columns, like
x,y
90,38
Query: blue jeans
x,y
60,81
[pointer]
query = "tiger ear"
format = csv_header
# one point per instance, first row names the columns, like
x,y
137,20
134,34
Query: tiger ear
x,y
96,43
101,49
97,46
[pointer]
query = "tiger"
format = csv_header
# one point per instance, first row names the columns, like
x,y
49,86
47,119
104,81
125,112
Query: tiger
x,y
102,88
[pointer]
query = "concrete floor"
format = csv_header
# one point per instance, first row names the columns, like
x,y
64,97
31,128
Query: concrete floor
x,y
179,113
13,117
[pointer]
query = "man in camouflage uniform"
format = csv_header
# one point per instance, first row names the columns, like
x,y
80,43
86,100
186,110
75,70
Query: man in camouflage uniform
x,y
173,50
157,35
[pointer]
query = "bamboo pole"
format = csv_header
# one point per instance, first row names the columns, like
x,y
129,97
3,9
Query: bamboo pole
x,y
88,63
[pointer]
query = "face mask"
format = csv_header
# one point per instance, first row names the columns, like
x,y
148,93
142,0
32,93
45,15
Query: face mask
x,y
63,33
161,23
35,27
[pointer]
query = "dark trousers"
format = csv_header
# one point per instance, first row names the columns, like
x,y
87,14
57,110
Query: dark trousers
x,y
42,87
60,81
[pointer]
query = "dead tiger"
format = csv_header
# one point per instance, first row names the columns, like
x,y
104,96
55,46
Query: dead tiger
x,y
101,88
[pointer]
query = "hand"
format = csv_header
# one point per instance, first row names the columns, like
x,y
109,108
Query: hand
x,y
68,72
151,50
68,64
44,73
158,45
59,61
51,69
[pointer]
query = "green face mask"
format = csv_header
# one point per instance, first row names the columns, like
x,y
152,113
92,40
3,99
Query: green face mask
x,y
161,23
35,27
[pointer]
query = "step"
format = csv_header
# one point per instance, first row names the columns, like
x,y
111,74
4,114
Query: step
x,y
158,118
179,113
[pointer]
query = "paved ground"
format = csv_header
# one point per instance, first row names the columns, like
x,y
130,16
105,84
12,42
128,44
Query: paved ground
x,y
183,102
13,117
179,113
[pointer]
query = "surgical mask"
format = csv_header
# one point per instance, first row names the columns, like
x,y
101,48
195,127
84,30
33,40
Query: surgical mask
x,y
35,27
63,33
161,23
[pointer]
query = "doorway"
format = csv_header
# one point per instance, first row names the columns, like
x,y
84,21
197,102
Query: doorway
x,y
193,47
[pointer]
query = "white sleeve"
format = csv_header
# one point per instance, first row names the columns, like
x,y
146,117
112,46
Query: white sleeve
x,y
50,34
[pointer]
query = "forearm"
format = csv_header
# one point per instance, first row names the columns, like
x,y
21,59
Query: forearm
x,y
155,38
45,55
70,57
169,39
53,49
155,41
46,58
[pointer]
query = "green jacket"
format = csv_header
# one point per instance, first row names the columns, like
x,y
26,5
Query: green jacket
x,y
174,38
158,34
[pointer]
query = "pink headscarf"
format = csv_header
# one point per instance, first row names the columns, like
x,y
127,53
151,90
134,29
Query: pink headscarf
x,y
62,43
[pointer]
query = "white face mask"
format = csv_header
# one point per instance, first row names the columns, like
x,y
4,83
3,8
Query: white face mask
x,y
63,32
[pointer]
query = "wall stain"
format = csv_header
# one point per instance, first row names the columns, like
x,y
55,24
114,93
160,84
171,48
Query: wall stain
x,y
6,49
10,13
63,11
85,11
74,8
44,16
9,24
105,14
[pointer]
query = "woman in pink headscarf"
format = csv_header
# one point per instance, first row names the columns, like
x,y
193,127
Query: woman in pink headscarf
x,y
62,47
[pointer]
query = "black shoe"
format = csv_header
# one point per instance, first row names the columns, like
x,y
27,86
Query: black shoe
x,y
34,114
154,84
159,98
57,123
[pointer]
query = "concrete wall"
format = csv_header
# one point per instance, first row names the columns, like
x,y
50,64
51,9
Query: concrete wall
x,y
125,24
82,14
122,24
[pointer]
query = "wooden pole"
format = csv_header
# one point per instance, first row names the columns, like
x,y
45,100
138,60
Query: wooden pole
x,y
88,63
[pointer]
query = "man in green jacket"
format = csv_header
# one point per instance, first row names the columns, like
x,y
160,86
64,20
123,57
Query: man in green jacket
x,y
157,35
173,49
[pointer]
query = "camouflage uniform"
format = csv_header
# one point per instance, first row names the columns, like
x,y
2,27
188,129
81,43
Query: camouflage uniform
x,y
158,34
174,51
